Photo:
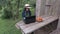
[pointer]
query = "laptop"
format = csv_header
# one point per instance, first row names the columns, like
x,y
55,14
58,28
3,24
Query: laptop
x,y
30,19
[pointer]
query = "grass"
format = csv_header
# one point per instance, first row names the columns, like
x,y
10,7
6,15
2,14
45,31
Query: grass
x,y
8,27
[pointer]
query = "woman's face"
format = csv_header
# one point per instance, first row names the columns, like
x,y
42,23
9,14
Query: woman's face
x,y
27,9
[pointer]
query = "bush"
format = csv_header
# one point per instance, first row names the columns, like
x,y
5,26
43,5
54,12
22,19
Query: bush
x,y
7,14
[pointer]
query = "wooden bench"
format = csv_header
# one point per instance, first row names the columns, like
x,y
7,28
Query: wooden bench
x,y
48,25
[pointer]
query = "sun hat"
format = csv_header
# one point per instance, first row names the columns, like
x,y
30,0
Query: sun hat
x,y
27,5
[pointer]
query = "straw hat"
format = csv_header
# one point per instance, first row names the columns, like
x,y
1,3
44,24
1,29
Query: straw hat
x,y
27,5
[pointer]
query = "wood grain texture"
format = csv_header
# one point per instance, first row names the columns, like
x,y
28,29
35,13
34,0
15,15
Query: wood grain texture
x,y
47,7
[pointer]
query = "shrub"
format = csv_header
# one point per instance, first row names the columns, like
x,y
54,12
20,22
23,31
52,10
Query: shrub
x,y
7,14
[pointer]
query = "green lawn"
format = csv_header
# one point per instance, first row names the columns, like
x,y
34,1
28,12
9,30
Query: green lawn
x,y
8,27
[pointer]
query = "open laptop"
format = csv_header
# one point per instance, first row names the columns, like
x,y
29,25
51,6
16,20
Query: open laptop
x,y
30,19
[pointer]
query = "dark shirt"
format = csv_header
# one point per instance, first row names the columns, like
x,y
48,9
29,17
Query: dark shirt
x,y
26,13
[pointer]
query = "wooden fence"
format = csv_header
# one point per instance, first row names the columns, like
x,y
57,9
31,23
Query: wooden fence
x,y
47,7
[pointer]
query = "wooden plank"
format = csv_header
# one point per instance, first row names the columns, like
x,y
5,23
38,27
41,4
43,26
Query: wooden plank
x,y
28,28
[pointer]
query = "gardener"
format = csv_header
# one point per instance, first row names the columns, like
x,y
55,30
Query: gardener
x,y
26,12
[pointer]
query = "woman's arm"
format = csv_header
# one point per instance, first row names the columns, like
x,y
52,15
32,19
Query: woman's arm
x,y
23,14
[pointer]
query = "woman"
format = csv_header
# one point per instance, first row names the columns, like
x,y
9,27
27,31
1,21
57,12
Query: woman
x,y
26,12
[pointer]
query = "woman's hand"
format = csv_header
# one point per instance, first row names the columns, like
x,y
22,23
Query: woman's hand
x,y
24,18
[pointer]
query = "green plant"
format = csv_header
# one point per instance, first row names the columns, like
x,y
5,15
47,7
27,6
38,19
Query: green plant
x,y
7,14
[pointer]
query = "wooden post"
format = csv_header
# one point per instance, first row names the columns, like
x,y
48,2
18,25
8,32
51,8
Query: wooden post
x,y
38,7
